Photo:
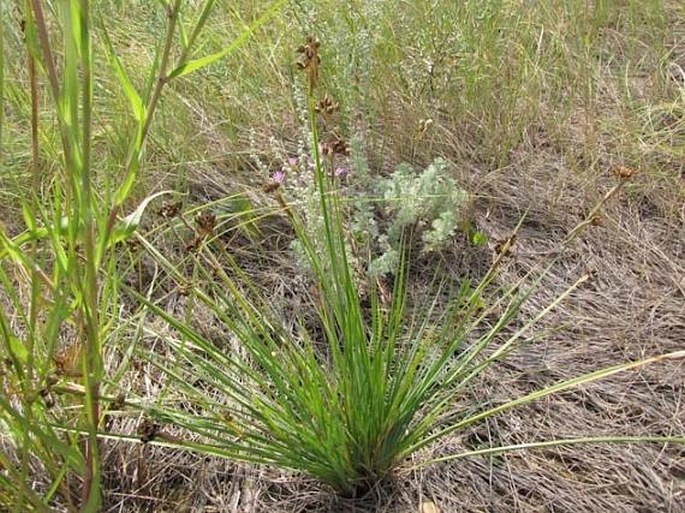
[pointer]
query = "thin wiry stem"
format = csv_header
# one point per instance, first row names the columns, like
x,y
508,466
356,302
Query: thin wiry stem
x,y
491,451
44,41
93,350
172,15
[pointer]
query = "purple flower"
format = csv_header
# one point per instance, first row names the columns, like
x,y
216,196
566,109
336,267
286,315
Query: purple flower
x,y
278,177
292,161
341,171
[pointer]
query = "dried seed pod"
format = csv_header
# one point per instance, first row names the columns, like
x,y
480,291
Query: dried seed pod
x,y
206,222
193,245
310,60
327,105
271,187
623,172
170,210
503,247
335,145
148,430
66,359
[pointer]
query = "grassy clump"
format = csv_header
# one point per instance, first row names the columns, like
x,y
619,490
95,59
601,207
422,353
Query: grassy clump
x,y
60,275
375,384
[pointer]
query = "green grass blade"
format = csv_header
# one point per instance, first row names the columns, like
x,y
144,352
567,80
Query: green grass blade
x,y
199,25
186,68
2,79
134,99
490,451
539,394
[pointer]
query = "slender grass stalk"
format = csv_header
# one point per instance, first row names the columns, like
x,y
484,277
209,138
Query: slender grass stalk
x,y
43,38
93,364
2,80
35,142
491,451
172,15
35,282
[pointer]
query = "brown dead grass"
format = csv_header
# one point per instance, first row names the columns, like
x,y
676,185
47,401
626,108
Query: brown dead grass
x,y
633,307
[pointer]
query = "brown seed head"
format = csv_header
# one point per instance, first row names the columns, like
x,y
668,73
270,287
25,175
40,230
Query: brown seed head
x,y
310,60
327,105
148,430
623,172
170,210
271,186
67,359
206,223
335,145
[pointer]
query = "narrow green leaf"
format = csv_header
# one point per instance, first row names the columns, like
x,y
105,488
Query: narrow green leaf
x,y
204,15
489,451
2,79
29,218
184,35
196,64
132,95
130,223
18,349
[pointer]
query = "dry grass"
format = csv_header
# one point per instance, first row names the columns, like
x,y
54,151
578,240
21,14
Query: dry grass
x,y
633,307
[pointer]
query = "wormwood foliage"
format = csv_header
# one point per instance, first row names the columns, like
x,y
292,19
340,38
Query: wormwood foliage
x,y
431,199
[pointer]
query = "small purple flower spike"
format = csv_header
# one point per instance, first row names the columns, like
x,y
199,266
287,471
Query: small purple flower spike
x,y
278,176
292,161
341,172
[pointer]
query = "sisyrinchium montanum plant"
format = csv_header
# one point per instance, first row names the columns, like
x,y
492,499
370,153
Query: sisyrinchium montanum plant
x,y
375,384
60,303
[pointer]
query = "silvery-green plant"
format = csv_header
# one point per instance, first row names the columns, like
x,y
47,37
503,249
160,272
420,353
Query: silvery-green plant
x,y
431,200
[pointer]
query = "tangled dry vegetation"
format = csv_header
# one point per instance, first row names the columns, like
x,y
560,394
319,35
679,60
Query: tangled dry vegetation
x,y
632,307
